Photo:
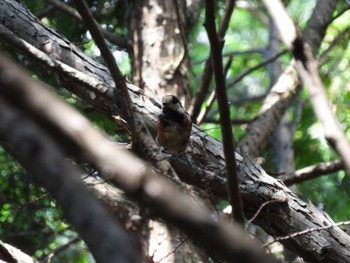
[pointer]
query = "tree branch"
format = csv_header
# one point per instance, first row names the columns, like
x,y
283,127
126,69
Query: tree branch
x,y
141,136
45,161
126,171
287,86
307,68
314,171
208,70
10,254
226,129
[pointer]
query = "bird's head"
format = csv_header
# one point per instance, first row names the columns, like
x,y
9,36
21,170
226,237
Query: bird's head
x,y
173,103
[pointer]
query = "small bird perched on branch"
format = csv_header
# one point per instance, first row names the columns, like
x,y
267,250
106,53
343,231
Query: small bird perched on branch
x,y
174,126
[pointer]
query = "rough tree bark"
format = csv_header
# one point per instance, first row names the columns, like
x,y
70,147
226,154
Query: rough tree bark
x,y
159,37
287,216
159,31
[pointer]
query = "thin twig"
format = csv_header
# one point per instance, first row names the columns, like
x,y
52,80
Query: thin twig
x,y
260,208
174,249
252,69
212,96
306,231
341,36
226,129
59,250
208,70
231,54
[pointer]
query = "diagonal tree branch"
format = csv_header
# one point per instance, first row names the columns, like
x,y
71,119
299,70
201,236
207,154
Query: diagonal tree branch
x,y
288,86
307,68
314,171
140,181
45,160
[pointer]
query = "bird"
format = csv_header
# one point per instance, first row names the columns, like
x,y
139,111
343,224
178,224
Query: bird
x,y
174,126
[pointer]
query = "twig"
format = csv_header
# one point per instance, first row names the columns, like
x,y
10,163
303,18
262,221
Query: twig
x,y
260,208
306,231
212,96
59,250
226,129
307,68
208,70
140,134
107,55
258,66
233,121
174,249
341,36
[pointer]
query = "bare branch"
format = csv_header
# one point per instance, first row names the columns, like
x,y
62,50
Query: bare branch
x,y
212,96
44,159
314,171
226,129
60,249
208,70
140,134
256,67
306,231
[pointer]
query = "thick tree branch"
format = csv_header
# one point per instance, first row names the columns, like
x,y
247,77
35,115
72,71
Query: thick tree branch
x,y
46,162
11,254
226,129
131,174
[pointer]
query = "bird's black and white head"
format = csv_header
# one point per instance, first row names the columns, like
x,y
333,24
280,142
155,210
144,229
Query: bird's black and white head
x,y
171,102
